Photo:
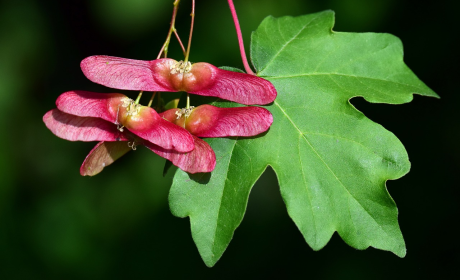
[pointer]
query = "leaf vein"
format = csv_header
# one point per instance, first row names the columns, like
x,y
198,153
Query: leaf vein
x,y
288,42
351,140
330,170
308,192
220,204
345,75
326,57
361,57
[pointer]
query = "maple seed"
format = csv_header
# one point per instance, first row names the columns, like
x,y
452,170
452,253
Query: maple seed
x,y
167,74
212,121
118,109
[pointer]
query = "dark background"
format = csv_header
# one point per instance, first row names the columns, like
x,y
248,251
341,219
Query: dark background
x,y
55,224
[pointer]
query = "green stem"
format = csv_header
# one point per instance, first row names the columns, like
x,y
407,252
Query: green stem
x,y
139,97
188,101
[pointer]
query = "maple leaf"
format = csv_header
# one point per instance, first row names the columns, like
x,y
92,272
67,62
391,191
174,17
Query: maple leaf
x,y
332,162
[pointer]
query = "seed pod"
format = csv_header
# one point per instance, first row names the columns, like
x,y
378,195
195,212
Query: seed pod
x,y
170,75
212,121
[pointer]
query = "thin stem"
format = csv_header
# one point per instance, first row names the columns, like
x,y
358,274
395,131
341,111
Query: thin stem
x,y
240,38
172,28
188,101
191,31
139,97
180,42
151,99
161,51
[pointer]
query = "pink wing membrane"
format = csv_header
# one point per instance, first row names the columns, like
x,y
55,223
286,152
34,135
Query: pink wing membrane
x,y
201,159
102,155
160,132
74,128
238,121
150,126
204,79
90,104
124,73
239,87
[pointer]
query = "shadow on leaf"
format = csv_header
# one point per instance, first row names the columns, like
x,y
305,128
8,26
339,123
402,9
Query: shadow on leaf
x,y
200,178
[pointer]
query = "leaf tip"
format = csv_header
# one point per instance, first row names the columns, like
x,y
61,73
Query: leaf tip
x,y
210,262
400,251
402,254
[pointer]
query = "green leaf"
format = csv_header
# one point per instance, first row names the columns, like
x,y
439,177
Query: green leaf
x,y
331,161
172,104
233,69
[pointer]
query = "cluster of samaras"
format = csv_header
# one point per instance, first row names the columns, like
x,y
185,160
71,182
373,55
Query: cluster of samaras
x,y
114,119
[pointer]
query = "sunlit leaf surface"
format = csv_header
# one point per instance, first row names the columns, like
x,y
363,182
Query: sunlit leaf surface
x,y
331,161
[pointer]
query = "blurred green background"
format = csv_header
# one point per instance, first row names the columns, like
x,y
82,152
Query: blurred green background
x,y
55,224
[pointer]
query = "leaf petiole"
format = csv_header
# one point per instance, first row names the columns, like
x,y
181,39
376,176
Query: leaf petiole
x,y
240,38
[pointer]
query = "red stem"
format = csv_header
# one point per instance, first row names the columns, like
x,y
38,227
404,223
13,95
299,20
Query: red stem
x,y
180,42
164,48
240,38
191,31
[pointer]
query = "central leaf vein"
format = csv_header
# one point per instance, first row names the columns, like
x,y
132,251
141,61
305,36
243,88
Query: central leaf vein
x,y
308,192
327,166
222,195
338,74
